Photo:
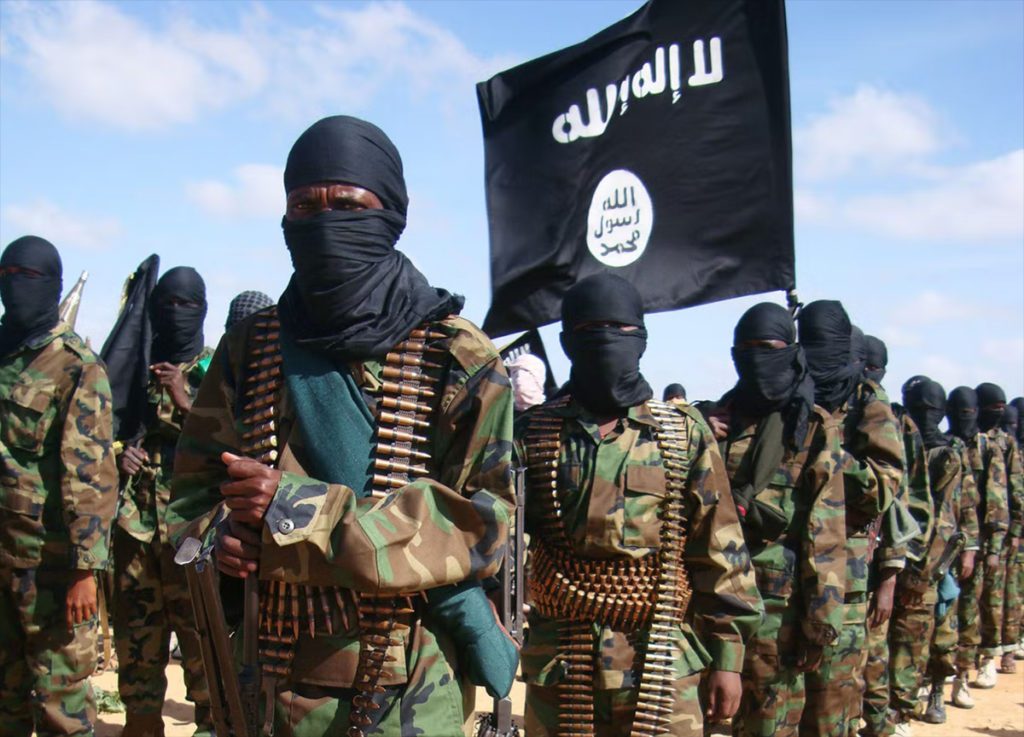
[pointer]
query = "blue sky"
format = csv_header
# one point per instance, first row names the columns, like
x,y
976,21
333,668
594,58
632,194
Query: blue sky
x,y
133,128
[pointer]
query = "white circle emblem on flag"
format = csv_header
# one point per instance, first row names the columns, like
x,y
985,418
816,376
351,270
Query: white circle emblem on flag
x,y
620,220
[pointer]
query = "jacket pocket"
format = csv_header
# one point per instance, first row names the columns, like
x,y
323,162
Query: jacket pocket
x,y
645,492
26,416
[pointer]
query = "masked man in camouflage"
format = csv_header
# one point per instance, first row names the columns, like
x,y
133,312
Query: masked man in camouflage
x,y
1014,611
903,537
995,636
782,454
989,470
872,473
920,641
639,576
151,595
352,449
57,501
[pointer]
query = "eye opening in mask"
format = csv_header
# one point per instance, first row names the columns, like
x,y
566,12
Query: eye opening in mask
x,y
311,199
604,324
22,270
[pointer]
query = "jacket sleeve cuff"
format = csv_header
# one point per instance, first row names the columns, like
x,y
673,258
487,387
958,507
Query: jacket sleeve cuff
x,y
726,655
293,512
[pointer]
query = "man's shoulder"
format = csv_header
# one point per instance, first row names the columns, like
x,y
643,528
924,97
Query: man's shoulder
x,y
467,344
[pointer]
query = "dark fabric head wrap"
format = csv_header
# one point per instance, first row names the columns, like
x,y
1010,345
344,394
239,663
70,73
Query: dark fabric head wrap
x,y
1018,402
825,330
30,302
178,328
605,376
991,402
962,412
877,358
771,379
909,384
926,403
1011,421
353,296
245,304
858,350
673,391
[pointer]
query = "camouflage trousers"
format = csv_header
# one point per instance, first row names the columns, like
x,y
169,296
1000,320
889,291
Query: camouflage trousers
x,y
834,690
875,709
910,639
433,702
943,651
1012,596
613,710
773,690
44,667
980,614
150,600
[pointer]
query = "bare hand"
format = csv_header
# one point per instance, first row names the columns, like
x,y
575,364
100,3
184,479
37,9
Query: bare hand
x,y
724,690
237,550
131,459
910,598
992,561
170,377
80,603
251,489
966,564
881,605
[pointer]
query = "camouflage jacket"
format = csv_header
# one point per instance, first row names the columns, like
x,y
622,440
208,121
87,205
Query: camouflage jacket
x,y
143,512
946,474
989,468
805,566
914,493
1014,481
969,501
441,529
872,474
59,478
610,490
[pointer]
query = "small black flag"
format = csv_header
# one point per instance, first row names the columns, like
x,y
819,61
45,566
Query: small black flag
x,y
530,342
659,148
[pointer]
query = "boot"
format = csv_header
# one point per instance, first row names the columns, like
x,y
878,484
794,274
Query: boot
x,y
1007,664
961,696
986,673
143,725
936,711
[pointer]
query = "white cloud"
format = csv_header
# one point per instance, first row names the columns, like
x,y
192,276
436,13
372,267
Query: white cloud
x,y
98,61
875,128
255,190
92,60
63,229
930,307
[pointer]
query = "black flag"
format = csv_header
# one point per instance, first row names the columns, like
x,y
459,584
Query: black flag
x,y
530,342
126,351
659,148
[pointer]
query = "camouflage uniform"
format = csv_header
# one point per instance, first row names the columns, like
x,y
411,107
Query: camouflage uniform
x,y
151,595
610,489
872,471
444,528
915,495
914,625
977,594
57,502
1010,557
800,574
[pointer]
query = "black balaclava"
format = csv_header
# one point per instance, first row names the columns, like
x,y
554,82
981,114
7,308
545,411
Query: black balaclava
x,y
605,376
858,351
926,404
30,302
825,336
962,412
909,384
178,328
245,304
1011,421
991,401
772,380
1018,402
353,296
877,358
673,391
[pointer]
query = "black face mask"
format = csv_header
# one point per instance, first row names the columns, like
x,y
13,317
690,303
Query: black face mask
x,y
1018,402
926,404
30,302
178,328
825,333
962,412
877,359
353,295
991,401
605,376
1011,421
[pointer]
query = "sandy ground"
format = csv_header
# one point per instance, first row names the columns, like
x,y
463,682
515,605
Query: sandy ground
x,y
999,712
